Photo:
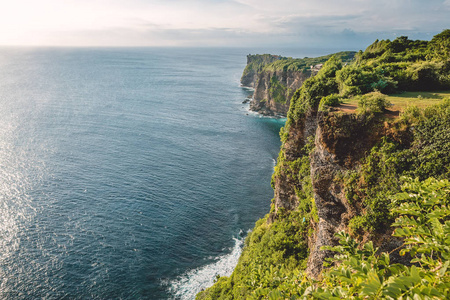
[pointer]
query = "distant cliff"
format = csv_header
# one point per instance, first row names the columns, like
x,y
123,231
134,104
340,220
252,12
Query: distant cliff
x,y
255,64
276,78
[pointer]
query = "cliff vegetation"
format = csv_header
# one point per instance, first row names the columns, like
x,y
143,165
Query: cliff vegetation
x,y
361,206
276,78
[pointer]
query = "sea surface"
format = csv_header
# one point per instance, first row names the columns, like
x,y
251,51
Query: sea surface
x,y
127,173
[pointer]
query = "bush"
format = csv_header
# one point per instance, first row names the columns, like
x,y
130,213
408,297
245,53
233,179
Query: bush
x,y
330,100
374,102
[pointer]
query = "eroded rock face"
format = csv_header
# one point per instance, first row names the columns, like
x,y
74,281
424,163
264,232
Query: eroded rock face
x,y
274,90
341,143
285,184
332,207
255,63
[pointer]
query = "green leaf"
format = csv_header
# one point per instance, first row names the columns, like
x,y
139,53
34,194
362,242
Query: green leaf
x,y
372,284
444,268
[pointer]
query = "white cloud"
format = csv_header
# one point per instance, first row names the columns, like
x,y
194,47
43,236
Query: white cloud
x,y
212,22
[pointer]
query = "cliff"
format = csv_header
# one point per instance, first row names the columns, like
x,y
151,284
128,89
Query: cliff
x,y
276,78
255,64
274,90
366,190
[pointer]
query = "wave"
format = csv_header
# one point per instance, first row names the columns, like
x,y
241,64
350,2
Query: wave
x,y
188,285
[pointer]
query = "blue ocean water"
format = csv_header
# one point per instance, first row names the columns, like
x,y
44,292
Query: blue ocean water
x,y
126,173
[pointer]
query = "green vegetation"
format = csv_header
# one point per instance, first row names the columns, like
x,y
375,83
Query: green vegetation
x,y
377,157
423,221
277,90
400,102
274,251
372,103
308,96
304,64
256,63
360,271
423,153
267,62
420,99
330,100
385,66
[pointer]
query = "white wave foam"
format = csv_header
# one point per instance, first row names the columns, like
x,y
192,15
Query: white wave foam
x,y
186,286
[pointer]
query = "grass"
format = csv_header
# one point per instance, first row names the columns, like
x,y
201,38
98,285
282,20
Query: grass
x,y
401,101
420,99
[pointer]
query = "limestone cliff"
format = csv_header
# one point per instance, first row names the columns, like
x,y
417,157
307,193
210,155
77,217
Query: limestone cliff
x,y
255,64
341,142
274,90
276,78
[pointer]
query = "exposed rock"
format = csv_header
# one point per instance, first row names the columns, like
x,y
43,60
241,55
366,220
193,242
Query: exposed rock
x,y
276,78
274,90
255,64
341,142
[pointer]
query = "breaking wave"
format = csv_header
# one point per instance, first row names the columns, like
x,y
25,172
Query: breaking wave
x,y
186,286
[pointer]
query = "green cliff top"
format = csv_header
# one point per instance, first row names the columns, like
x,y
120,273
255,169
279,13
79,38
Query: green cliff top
x,y
305,64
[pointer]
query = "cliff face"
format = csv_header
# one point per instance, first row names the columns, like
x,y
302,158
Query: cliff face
x,y
255,64
276,78
341,143
274,90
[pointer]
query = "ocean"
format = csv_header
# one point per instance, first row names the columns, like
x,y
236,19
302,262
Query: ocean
x,y
127,173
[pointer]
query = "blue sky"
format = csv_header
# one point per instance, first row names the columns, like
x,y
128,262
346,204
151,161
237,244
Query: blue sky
x,y
351,24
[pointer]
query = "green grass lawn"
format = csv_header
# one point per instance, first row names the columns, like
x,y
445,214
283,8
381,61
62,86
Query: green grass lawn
x,y
420,99
403,100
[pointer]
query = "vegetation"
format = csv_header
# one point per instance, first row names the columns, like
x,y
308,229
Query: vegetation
x,y
330,100
277,90
404,100
372,103
398,183
423,153
304,64
267,62
361,272
256,63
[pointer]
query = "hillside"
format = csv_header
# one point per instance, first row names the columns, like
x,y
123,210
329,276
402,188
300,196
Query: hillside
x,y
361,196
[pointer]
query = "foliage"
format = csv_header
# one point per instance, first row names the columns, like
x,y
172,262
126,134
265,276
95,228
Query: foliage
x,y
419,146
373,103
431,146
277,90
361,272
304,64
255,63
401,64
308,96
272,252
330,100
439,45
424,223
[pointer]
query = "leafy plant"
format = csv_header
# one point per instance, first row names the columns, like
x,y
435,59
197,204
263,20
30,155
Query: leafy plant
x,y
424,223
330,100
373,103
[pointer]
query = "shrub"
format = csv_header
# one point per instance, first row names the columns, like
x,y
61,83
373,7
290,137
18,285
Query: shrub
x,y
374,102
330,100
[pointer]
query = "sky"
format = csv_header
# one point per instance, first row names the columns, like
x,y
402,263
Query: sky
x,y
352,24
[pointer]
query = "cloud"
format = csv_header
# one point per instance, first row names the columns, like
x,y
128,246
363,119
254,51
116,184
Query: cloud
x,y
218,22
